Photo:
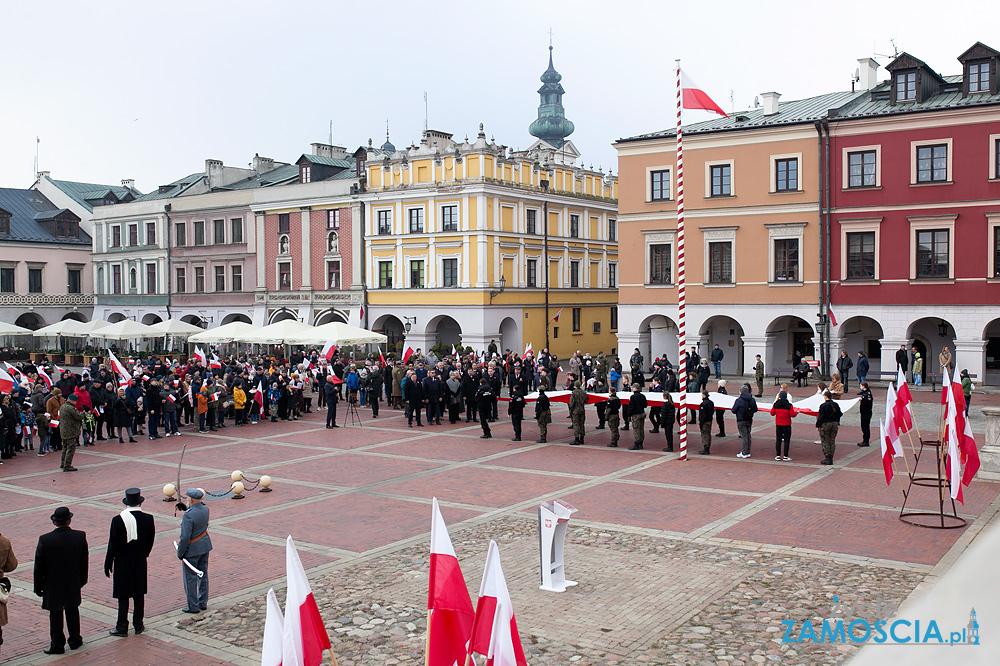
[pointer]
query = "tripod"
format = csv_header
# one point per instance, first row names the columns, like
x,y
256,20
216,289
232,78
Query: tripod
x,y
352,418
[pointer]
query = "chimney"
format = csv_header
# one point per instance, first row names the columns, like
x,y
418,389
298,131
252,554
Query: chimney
x,y
770,100
213,171
128,183
869,73
322,150
43,174
262,164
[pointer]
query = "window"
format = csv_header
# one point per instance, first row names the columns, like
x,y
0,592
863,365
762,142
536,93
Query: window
x,y
116,279
219,231
199,232
151,233
237,227
199,279
384,222
786,175
385,275
150,278
574,226
574,274
449,218
284,276
996,158
180,280
306,174
180,231
333,275
531,273
237,281
416,217
34,280
722,180
614,317
417,274
659,264
996,251
5,225
284,223
531,221
449,272
116,236
132,279
612,276
786,260
979,77
555,332
861,169
74,281
220,278
597,327
906,86
7,280
576,320
133,235
720,262
861,255
67,229
932,163
932,254
333,219
612,230
659,183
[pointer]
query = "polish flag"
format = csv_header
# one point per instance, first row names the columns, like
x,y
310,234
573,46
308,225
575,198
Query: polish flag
x,y
902,389
304,631
54,423
215,396
215,363
527,350
58,369
258,397
407,354
693,97
494,631
945,386
556,318
199,355
6,381
172,398
329,349
454,352
886,453
45,376
361,313
381,356
450,616
116,365
891,426
274,623
829,309
967,441
901,415
953,463
14,372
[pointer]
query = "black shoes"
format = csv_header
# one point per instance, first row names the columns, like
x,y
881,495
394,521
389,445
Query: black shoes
x,y
541,441
117,633
69,469
636,447
54,650
863,444
190,610
704,452
826,461
141,628
576,442
612,446
486,437
669,449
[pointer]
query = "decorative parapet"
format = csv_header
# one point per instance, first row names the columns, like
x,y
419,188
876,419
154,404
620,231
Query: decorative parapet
x,y
46,299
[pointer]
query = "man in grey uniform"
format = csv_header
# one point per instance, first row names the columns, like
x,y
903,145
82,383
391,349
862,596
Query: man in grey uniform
x,y
194,545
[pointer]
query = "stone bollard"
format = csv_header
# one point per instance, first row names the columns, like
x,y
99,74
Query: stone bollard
x,y
989,455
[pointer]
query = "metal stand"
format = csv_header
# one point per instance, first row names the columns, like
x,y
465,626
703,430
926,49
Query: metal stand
x,y
938,520
352,418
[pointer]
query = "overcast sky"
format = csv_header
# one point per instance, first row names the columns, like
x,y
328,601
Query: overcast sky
x,y
149,90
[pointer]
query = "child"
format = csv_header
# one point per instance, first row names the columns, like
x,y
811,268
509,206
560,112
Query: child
x,y
28,422
42,425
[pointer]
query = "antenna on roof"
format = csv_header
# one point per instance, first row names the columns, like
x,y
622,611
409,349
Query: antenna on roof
x,y
425,110
895,50
855,78
756,101
37,141
732,102
331,132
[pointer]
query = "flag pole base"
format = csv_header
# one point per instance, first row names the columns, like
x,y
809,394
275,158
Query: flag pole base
x,y
933,520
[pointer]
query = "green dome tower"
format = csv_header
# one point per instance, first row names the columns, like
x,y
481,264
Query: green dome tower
x,y
551,125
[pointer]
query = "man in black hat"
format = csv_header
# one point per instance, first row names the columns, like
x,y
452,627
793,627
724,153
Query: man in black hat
x,y
132,534
60,573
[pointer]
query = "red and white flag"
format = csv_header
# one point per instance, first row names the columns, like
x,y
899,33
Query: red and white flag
x,y
494,631
407,354
258,397
274,623
381,356
216,395
829,309
199,355
14,372
693,97
304,631
953,463
172,398
215,363
361,313
116,365
45,376
450,616
556,318
6,381
454,352
903,390
902,417
58,369
329,349
54,423
527,350
966,441
891,448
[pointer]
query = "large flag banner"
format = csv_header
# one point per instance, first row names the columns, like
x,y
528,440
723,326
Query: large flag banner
x,y
274,623
215,363
693,97
407,354
967,441
494,631
449,624
6,381
303,624
45,376
329,349
199,355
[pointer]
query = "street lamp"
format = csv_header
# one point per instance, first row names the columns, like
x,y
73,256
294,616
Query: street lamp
x,y
497,292
942,328
410,321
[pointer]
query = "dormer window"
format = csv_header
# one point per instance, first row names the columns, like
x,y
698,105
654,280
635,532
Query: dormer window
x,y
906,86
305,174
4,224
979,76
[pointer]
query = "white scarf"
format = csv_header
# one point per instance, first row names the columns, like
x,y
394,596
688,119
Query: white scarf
x,y
131,530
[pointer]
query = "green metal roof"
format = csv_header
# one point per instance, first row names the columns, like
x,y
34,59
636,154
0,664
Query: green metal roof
x,y
328,161
81,192
27,209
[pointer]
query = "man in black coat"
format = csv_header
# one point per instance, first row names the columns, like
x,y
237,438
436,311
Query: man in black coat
x,y
131,541
60,573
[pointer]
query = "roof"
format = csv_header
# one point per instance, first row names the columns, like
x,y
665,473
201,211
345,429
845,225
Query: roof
x,y
328,161
280,175
792,112
175,188
865,106
28,208
82,192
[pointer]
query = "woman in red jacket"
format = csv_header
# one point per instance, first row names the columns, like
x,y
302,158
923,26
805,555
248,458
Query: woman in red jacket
x,y
783,413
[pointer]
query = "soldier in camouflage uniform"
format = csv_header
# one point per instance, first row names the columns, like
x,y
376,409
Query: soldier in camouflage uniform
x,y
577,412
611,414
543,414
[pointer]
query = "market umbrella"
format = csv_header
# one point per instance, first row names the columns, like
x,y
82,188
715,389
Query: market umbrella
x,y
67,328
95,325
176,327
278,333
233,331
339,333
11,329
127,329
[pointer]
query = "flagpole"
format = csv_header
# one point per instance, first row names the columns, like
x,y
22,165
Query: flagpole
x,y
427,646
681,328
333,656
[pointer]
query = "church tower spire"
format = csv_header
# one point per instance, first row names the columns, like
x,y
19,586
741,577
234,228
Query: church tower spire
x,y
551,125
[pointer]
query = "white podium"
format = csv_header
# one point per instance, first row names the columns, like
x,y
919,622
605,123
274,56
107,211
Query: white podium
x,y
553,518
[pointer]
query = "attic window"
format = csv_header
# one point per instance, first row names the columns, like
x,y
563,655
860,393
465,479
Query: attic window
x,y
906,86
978,76
4,224
67,229
305,174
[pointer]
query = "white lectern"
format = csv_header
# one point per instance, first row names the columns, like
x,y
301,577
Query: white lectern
x,y
553,518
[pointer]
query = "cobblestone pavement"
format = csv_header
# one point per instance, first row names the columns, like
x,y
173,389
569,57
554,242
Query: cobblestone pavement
x,y
678,562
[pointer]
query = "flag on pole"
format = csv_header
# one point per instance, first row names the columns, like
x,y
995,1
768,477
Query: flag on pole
x,y
886,453
901,415
361,313
258,397
891,425
902,389
833,317
215,363
527,350
695,98
953,463
58,369
450,614
116,365
14,372
556,318
45,376
407,354
329,349
381,356
199,355
966,441
274,622
6,381
454,352
945,386
494,630
303,624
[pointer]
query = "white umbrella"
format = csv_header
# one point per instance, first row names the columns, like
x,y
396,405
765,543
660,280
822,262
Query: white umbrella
x,y
277,333
67,328
339,333
11,329
176,327
235,330
127,329
95,325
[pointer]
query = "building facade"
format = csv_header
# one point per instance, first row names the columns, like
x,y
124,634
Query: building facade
x,y
82,198
44,262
